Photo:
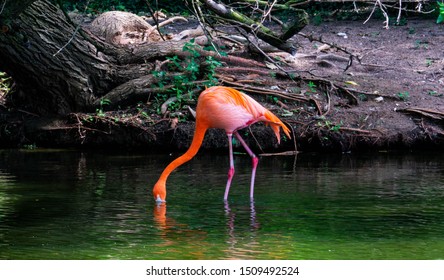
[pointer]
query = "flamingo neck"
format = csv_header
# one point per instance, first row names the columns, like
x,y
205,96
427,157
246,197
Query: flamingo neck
x,y
198,137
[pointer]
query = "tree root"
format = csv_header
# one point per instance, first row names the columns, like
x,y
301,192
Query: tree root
x,y
429,113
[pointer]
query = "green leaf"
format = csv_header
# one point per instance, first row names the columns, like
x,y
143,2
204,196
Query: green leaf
x,y
441,12
209,48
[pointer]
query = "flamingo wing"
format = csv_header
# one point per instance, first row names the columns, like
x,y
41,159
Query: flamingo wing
x,y
229,109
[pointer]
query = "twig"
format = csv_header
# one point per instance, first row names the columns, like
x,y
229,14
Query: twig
x,y
437,115
267,13
3,6
228,59
79,126
244,70
29,113
165,105
345,90
287,153
328,101
371,13
355,130
417,10
254,137
294,137
267,56
342,49
382,7
318,107
73,34
200,18
371,94
155,18
257,90
69,41
398,19
266,91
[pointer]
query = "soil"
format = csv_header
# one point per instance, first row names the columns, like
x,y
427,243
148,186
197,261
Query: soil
x,y
390,97
404,65
397,87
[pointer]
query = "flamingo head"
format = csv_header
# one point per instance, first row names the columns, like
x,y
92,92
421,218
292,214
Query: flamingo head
x,y
159,192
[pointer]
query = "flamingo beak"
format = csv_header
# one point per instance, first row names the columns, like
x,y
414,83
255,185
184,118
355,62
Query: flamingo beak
x,y
159,200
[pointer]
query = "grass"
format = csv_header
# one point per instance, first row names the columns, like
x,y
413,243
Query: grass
x,y
404,96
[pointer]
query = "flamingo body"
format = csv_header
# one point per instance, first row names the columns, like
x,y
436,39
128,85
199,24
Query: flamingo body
x,y
228,109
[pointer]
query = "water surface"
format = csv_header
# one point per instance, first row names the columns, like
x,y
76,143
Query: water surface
x,y
97,205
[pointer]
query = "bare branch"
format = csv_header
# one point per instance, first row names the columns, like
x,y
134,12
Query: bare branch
x,y
73,34
3,6
261,31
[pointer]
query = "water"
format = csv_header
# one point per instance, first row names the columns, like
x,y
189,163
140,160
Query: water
x,y
94,205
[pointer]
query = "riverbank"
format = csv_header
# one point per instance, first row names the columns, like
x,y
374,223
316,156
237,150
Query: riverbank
x,y
393,99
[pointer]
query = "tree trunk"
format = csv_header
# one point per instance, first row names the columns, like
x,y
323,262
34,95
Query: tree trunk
x,y
50,77
59,68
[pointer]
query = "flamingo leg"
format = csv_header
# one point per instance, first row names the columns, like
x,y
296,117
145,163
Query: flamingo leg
x,y
254,159
231,170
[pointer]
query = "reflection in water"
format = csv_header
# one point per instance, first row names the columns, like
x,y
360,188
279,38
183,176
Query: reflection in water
x,y
236,249
164,224
82,205
160,216
175,237
241,241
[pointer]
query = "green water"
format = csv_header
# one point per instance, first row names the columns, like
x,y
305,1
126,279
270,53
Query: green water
x,y
90,205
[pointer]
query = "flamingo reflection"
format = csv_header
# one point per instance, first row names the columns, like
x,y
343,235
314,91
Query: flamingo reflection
x,y
196,244
237,234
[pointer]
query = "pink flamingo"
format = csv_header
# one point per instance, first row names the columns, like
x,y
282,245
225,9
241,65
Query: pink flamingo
x,y
228,109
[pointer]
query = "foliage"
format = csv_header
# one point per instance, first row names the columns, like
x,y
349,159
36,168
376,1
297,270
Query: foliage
x,y
318,11
99,6
323,11
327,124
404,96
30,146
96,6
100,111
421,44
441,12
191,69
5,84
311,87
434,93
